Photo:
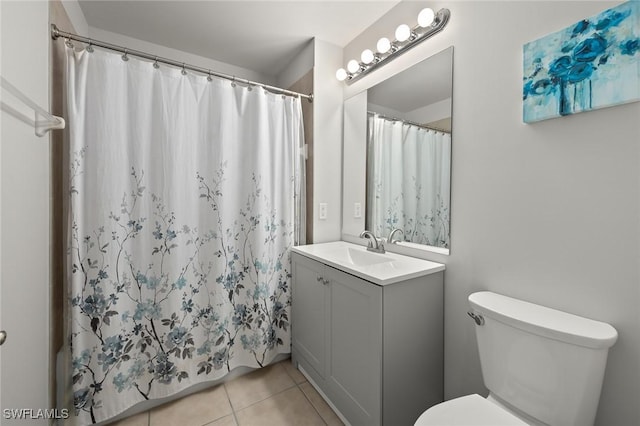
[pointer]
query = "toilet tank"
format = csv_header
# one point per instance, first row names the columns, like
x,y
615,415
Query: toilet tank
x,y
544,363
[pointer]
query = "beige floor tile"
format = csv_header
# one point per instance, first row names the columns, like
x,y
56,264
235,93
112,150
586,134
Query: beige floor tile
x,y
295,374
287,408
258,385
320,405
193,410
225,421
141,419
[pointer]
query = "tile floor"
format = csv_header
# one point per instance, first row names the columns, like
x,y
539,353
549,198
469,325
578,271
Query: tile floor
x,y
277,395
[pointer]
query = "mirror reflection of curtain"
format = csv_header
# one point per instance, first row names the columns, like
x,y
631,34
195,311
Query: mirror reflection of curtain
x,y
409,167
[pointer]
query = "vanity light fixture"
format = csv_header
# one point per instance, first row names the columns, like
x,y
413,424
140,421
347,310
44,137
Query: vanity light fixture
x,y
353,66
429,23
403,33
384,45
367,56
426,17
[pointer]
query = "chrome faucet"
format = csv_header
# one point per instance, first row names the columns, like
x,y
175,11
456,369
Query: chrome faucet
x,y
391,239
375,244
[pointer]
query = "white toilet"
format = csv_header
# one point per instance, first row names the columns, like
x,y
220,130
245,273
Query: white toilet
x,y
541,366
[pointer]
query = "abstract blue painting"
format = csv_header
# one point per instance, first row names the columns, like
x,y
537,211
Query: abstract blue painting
x,y
592,64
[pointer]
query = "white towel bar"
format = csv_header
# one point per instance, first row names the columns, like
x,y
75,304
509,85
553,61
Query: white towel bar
x,y
42,122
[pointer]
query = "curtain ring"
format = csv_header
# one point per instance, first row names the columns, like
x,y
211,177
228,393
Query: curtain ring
x,y
184,72
209,76
156,65
233,81
68,43
125,57
90,47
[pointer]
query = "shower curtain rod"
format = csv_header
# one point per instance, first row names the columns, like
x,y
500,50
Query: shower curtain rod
x,y
407,122
56,33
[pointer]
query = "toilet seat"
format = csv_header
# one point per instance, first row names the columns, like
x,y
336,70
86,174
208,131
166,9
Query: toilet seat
x,y
470,410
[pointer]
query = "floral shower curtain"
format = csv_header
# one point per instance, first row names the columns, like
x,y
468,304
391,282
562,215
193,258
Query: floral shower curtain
x,y
184,198
409,181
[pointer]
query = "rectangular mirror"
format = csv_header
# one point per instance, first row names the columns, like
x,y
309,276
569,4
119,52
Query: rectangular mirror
x,y
397,156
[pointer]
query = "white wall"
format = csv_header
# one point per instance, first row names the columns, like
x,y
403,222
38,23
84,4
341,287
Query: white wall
x,y
430,113
299,66
24,242
355,127
426,114
178,55
327,141
79,22
547,212
324,58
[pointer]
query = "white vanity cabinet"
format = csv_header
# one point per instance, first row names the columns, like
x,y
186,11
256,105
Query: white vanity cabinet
x,y
309,312
374,351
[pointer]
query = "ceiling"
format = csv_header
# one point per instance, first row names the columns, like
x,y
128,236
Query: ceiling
x,y
263,36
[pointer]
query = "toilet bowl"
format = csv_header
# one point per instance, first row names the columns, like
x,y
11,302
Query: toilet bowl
x,y
470,410
541,366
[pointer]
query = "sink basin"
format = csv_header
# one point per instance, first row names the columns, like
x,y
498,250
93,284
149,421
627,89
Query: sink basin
x,y
378,268
363,258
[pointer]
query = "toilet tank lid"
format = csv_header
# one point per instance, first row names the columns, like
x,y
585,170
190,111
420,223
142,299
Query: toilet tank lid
x,y
544,321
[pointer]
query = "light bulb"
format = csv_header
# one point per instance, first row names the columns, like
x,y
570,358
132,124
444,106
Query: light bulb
x,y
367,56
383,45
341,74
425,17
353,66
403,32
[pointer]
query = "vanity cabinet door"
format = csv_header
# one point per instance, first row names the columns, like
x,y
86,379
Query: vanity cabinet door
x,y
309,311
355,365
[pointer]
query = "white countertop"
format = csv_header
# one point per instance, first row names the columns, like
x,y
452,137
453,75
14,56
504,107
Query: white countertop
x,y
382,269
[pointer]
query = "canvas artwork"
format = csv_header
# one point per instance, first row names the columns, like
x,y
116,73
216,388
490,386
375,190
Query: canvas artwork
x,y
592,64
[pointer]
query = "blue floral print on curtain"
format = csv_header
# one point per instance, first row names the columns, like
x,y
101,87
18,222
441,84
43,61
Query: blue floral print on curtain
x,y
154,343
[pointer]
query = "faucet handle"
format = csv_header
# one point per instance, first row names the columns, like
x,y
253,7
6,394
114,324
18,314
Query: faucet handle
x,y
365,233
391,239
369,236
375,244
